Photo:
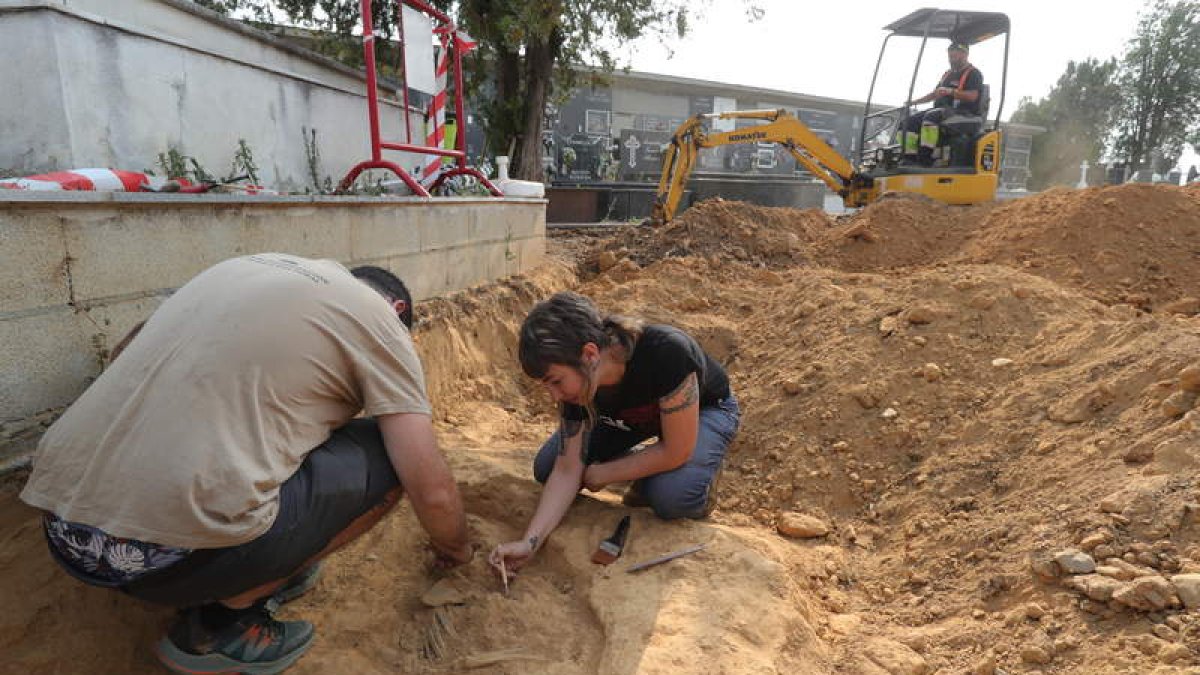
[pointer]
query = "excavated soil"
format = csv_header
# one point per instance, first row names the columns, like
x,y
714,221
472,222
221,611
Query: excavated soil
x,y
958,395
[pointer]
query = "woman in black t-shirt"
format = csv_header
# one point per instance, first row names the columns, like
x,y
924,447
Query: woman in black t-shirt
x,y
619,382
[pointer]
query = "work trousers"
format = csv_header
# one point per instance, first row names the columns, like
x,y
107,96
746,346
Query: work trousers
x,y
679,493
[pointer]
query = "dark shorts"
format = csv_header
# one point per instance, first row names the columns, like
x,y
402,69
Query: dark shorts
x,y
340,480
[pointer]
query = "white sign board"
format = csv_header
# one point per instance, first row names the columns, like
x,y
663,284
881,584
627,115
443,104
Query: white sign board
x,y
418,52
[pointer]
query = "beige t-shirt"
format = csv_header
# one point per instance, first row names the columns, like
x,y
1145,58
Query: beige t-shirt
x,y
186,438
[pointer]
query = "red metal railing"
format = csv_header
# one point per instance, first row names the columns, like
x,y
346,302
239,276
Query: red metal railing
x,y
378,145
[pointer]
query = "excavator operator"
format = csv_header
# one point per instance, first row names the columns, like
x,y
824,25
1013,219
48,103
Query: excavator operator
x,y
958,92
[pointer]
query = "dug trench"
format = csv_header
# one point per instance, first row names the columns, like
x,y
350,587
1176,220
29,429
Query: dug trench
x,y
970,445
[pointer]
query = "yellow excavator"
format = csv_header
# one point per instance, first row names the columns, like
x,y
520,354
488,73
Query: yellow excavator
x,y
967,169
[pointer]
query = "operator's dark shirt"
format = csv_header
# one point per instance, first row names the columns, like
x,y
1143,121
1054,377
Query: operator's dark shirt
x,y
973,82
661,359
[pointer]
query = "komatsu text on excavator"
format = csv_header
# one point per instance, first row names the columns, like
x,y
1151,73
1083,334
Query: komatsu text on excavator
x,y
967,167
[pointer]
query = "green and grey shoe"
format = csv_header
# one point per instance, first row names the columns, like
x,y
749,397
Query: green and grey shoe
x,y
253,643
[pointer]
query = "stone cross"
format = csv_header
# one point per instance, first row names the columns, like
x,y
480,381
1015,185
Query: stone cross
x,y
1083,169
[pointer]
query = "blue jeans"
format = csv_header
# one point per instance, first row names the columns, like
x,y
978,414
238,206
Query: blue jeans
x,y
681,492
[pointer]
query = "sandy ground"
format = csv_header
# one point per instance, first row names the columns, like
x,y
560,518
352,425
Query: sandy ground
x,y
955,395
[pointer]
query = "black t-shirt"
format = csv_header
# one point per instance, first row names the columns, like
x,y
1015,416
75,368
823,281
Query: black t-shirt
x,y
973,82
662,358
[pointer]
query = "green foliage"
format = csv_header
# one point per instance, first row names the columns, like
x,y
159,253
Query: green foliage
x,y
243,164
1159,109
198,172
1077,114
529,50
173,163
255,9
312,156
532,49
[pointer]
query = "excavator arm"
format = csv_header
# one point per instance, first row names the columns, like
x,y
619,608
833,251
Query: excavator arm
x,y
679,157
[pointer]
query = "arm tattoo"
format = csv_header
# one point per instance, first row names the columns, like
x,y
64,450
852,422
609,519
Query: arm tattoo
x,y
690,391
533,543
567,429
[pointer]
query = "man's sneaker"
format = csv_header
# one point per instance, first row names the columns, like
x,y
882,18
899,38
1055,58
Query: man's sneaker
x,y
298,585
253,643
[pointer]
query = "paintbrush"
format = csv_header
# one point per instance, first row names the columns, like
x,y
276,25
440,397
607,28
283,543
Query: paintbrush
x,y
610,549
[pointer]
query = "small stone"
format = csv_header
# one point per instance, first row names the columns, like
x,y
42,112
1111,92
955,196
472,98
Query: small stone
x,y
1096,587
1148,593
1189,378
1187,586
1114,503
1104,551
1022,292
1139,453
1165,633
841,446
1001,363
1036,654
1147,644
1045,568
931,372
1148,559
1178,403
889,414
1075,562
866,397
792,387
986,665
919,315
1094,539
889,325
978,614
1185,306
801,526
1174,653
983,302
893,657
606,260
1034,611
920,341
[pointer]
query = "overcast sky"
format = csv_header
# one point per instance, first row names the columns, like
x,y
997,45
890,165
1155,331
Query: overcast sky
x,y
830,48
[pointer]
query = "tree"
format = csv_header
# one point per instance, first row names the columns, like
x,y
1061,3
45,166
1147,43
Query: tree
x,y
529,50
532,49
1077,115
1160,85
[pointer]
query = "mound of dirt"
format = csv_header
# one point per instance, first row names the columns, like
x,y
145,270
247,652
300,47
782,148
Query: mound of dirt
x,y
900,230
1137,244
724,230
990,459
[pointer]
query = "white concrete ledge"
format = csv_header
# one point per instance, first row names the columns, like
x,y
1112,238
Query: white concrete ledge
x,y
78,270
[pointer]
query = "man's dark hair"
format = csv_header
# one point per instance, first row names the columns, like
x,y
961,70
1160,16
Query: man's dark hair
x,y
389,285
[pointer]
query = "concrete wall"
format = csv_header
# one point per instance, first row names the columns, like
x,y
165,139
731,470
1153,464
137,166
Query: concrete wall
x,y
107,83
78,270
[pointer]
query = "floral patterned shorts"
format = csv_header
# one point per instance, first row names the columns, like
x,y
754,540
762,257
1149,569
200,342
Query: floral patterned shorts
x,y
102,559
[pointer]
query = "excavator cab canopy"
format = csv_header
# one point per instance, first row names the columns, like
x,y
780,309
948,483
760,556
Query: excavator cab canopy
x,y
948,24
934,24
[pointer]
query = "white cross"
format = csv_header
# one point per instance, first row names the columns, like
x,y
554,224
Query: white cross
x,y
633,144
